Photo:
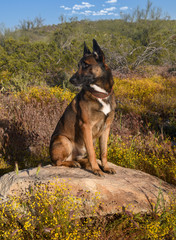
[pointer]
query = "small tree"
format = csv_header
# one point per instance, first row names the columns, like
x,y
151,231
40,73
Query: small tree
x,y
31,24
150,13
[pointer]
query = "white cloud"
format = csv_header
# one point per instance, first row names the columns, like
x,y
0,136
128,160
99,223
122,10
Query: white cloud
x,y
87,12
82,6
65,8
110,9
111,1
99,13
114,14
84,9
124,8
102,12
93,13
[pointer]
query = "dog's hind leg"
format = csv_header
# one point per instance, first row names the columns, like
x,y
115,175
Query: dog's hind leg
x,y
61,152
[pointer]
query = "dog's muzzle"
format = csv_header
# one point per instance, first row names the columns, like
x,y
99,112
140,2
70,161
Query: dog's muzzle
x,y
74,80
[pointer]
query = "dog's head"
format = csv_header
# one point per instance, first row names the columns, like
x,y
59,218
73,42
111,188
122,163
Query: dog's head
x,y
91,66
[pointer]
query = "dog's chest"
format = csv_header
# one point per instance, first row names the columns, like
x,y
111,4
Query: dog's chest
x,y
105,107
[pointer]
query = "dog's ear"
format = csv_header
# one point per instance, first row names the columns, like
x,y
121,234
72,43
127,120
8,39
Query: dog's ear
x,y
98,53
86,49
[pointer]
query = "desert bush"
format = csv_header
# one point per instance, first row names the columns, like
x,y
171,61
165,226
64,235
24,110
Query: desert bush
x,y
45,94
19,82
5,167
31,24
158,224
47,212
24,64
28,119
153,99
146,153
50,53
51,212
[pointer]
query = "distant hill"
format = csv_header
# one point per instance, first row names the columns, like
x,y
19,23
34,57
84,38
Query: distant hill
x,y
49,54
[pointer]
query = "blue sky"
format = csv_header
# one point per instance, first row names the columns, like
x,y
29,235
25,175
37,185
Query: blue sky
x,y
12,11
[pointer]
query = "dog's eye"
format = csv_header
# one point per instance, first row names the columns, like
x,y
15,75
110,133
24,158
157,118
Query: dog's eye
x,y
85,65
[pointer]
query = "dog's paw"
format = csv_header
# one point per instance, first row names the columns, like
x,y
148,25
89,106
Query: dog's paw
x,y
76,164
98,172
109,170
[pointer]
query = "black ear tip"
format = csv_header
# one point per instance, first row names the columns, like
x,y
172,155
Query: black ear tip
x,y
86,49
94,41
97,51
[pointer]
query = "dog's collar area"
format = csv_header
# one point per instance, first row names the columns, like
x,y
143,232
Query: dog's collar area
x,y
98,92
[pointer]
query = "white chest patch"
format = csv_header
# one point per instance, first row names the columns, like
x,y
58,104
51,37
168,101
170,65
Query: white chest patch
x,y
106,108
97,88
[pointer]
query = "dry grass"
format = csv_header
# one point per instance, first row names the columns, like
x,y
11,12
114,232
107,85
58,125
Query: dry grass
x,y
27,123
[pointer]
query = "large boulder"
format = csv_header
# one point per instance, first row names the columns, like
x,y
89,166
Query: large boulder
x,y
135,190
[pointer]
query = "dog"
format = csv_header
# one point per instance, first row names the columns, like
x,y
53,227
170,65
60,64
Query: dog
x,y
88,117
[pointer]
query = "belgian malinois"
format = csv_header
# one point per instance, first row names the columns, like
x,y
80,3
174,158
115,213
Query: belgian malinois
x,y
87,117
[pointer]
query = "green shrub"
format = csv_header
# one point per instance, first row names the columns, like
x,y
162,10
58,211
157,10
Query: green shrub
x,y
147,153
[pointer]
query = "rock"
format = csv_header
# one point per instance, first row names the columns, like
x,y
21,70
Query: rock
x,y
132,189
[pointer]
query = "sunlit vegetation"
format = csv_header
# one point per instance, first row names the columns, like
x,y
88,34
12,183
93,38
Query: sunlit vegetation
x,y
51,212
47,212
49,54
36,62
152,98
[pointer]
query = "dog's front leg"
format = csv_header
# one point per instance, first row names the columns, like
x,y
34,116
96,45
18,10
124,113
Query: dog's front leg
x,y
103,140
87,136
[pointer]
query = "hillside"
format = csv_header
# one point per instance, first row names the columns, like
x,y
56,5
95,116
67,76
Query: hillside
x,y
49,54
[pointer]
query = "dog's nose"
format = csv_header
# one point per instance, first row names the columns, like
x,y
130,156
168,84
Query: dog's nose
x,y
73,80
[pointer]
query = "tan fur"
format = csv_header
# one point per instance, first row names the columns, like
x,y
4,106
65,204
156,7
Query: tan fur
x,y
97,71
